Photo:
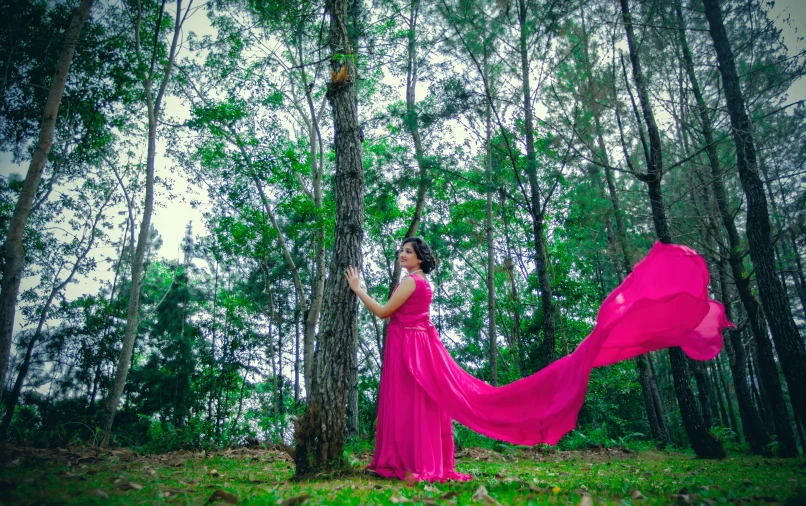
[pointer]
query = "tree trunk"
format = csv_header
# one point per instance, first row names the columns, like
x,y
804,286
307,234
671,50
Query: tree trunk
x,y
352,401
320,432
704,444
618,244
296,356
731,412
720,402
546,352
12,249
509,265
735,256
318,282
491,330
791,350
704,393
154,108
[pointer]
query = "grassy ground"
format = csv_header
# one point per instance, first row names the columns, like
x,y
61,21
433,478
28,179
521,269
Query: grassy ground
x,y
516,476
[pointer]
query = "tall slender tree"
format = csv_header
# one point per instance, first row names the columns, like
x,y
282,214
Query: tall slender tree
x,y
703,442
151,77
788,341
758,439
12,250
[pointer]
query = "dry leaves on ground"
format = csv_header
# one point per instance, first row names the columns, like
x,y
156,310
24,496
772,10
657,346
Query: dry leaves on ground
x,y
129,485
585,500
637,495
481,495
223,495
99,493
293,501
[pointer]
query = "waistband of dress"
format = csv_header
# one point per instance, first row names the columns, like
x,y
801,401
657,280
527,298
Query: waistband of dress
x,y
414,325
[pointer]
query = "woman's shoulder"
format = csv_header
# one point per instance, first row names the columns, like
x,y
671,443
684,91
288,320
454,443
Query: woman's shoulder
x,y
420,280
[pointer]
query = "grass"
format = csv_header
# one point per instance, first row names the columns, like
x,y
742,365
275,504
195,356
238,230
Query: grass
x,y
515,476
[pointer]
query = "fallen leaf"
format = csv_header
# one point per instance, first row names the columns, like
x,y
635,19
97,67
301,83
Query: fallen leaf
x,y
292,501
428,501
585,500
129,485
510,479
399,499
637,495
99,493
449,495
223,495
482,495
214,472
682,498
432,489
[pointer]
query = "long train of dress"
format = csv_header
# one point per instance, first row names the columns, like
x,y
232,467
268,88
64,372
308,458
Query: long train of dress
x,y
663,303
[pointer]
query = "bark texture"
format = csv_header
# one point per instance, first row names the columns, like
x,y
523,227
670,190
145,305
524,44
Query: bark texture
x,y
755,432
788,342
321,431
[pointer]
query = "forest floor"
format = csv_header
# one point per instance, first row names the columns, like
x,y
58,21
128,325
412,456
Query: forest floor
x,y
515,476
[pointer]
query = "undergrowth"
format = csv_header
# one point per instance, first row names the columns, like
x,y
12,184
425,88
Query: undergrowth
x,y
511,475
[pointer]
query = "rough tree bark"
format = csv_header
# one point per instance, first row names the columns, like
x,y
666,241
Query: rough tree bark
x,y
12,249
757,437
703,443
788,342
154,108
320,432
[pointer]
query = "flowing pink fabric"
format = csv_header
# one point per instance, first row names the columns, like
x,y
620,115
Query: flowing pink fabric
x,y
663,303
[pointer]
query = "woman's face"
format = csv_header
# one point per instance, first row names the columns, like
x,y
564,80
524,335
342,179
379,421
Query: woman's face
x,y
408,257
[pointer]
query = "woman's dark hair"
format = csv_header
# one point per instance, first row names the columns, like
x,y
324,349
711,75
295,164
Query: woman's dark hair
x,y
423,253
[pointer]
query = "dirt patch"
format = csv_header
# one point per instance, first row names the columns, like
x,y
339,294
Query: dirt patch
x,y
77,456
593,454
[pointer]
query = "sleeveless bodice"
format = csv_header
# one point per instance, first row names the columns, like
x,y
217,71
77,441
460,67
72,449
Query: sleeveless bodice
x,y
415,311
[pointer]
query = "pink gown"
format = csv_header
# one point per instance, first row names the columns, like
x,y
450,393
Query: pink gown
x,y
663,303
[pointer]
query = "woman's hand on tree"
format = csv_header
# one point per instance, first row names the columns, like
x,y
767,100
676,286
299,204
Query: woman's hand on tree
x,y
353,278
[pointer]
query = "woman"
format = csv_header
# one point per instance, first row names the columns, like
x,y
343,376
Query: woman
x,y
663,303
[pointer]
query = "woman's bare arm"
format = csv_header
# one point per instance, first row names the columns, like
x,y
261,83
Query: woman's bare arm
x,y
401,295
